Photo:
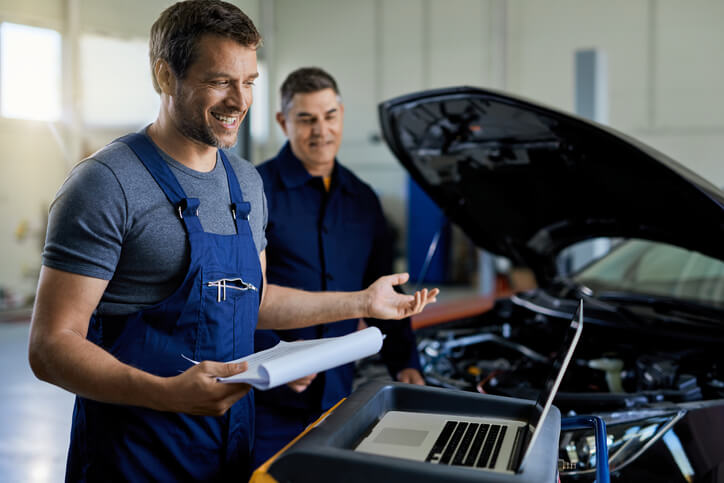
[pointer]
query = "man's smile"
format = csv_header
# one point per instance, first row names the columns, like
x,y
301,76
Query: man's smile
x,y
228,121
320,144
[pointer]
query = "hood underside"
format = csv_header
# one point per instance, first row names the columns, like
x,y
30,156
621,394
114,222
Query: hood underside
x,y
525,181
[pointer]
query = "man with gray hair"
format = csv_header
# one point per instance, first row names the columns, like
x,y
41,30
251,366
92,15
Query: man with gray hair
x,y
155,250
326,231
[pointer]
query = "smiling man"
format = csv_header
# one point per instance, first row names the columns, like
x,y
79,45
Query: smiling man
x,y
141,237
326,231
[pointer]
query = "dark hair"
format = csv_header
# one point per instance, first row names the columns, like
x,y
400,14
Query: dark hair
x,y
177,31
305,80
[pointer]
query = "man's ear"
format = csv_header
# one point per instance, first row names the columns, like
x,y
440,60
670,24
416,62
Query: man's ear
x,y
282,122
164,77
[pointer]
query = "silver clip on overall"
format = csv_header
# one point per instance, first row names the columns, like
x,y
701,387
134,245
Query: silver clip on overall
x,y
181,212
232,283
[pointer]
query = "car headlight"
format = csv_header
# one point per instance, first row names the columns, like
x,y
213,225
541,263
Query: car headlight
x,y
628,435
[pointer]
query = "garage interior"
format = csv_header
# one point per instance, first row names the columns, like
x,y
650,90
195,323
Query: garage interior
x,y
74,75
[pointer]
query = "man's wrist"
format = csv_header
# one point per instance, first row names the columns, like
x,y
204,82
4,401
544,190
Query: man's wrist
x,y
152,391
363,304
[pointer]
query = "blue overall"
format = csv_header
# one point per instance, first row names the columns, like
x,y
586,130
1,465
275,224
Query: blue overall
x,y
211,316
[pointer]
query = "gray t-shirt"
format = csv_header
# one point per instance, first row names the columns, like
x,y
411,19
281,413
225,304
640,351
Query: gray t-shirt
x,y
111,220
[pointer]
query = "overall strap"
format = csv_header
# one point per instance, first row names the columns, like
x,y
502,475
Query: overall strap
x,y
185,207
239,208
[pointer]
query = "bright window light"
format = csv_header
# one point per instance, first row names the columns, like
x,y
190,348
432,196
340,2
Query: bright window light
x,y
260,107
119,92
30,72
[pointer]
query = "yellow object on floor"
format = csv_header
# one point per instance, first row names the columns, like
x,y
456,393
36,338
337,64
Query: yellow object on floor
x,y
261,475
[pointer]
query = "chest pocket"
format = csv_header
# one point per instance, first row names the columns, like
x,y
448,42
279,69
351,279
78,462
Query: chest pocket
x,y
230,286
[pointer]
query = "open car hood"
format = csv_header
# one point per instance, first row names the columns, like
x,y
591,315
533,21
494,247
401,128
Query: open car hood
x,y
525,181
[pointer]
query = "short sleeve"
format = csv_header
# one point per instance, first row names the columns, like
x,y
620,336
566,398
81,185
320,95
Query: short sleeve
x,y
264,223
86,222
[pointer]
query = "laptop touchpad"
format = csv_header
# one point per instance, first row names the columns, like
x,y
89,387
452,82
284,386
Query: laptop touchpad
x,y
401,436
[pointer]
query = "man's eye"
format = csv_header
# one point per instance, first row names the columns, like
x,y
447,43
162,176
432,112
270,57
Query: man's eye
x,y
220,83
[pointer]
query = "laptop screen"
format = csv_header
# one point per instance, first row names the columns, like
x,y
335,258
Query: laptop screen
x,y
477,439
555,376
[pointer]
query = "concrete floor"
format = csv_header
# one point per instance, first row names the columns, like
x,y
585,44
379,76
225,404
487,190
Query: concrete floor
x,y
34,416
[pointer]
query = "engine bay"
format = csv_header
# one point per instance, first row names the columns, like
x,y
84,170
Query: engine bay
x,y
506,351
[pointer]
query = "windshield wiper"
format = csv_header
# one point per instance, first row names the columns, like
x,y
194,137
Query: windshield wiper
x,y
704,314
580,290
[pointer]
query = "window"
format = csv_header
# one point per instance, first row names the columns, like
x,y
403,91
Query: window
x,y
116,82
652,268
30,72
260,107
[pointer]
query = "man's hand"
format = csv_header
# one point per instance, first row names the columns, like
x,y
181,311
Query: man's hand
x,y
196,391
284,308
384,303
411,376
301,384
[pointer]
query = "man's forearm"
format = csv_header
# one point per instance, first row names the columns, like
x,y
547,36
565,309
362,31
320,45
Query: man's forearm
x,y
59,352
70,361
288,308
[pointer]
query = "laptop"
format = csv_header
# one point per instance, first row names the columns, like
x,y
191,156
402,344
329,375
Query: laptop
x,y
486,443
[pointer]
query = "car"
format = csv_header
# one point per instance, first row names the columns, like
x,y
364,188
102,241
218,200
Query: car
x,y
528,182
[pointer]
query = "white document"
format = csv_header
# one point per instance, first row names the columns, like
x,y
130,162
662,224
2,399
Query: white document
x,y
288,361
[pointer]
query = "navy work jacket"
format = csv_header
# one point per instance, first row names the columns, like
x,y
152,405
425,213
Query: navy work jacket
x,y
320,241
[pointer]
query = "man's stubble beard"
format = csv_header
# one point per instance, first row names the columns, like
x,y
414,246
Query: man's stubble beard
x,y
194,126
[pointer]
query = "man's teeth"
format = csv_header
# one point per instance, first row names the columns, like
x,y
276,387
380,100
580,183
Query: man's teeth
x,y
224,119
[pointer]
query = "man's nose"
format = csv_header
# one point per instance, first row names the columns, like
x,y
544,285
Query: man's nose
x,y
320,128
239,97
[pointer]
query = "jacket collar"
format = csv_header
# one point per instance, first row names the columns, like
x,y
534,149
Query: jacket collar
x,y
293,173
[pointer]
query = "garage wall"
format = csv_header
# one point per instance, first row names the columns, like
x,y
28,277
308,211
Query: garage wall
x,y
687,118
664,63
665,68
380,49
32,165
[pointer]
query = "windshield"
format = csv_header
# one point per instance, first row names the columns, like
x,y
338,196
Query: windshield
x,y
648,268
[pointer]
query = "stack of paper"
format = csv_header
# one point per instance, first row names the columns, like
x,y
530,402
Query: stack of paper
x,y
288,361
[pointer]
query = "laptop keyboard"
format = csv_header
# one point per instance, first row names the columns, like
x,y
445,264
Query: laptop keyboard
x,y
468,444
